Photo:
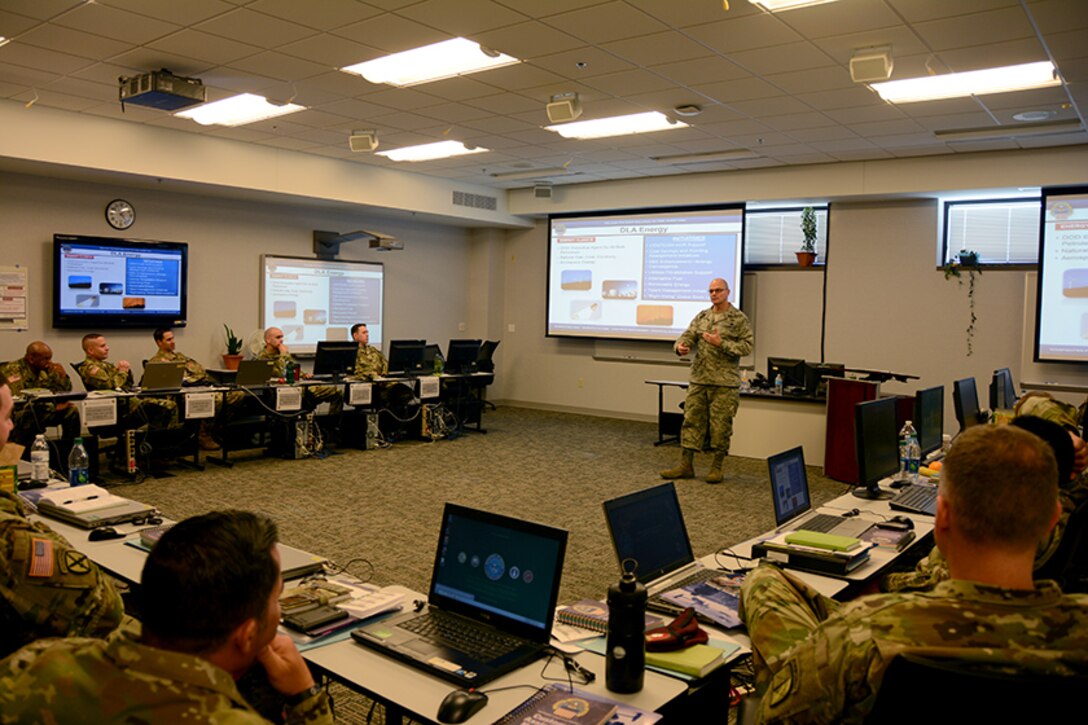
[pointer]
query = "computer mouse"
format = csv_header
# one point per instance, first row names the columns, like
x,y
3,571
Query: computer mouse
x,y
904,520
105,533
896,523
460,705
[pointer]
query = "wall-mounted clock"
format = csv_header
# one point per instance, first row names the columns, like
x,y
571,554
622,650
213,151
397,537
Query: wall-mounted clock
x,y
120,214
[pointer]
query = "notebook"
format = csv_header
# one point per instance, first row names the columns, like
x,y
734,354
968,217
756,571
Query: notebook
x,y
163,376
91,506
254,373
648,527
792,504
491,602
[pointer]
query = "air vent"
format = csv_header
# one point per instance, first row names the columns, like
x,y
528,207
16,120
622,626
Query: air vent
x,y
475,201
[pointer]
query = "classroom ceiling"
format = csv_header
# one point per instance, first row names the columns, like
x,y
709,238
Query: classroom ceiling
x,y
775,84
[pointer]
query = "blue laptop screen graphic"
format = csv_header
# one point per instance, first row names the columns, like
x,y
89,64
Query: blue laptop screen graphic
x,y
790,485
498,569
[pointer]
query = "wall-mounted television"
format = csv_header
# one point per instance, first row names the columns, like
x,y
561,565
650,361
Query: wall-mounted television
x,y
103,283
640,274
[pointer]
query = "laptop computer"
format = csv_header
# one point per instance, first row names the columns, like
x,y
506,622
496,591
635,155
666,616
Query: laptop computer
x,y
254,373
648,527
91,506
793,505
163,376
491,602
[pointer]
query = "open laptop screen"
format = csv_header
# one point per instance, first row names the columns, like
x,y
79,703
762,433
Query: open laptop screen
x,y
499,569
789,484
647,526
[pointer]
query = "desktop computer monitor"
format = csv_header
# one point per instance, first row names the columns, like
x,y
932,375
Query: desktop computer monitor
x,y
1002,392
929,418
965,402
335,357
877,443
791,369
431,353
406,356
461,355
816,374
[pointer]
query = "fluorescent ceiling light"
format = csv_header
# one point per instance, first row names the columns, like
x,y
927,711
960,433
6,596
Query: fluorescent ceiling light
x,y
617,126
531,173
431,151
454,57
970,83
776,5
733,155
238,111
4,41
1018,131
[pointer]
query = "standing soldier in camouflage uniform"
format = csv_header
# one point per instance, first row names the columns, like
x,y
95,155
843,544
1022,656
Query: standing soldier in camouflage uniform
x,y
275,350
47,588
720,336
210,603
37,370
99,374
818,661
369,361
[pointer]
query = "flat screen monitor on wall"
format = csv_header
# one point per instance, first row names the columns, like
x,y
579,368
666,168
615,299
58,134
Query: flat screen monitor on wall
x,y
1061,304
317,299
639,275
104,283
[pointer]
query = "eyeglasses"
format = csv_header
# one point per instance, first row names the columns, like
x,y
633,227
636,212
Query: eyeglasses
x,y
714,290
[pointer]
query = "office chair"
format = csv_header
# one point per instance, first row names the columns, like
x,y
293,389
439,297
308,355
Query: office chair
x,y
1069,564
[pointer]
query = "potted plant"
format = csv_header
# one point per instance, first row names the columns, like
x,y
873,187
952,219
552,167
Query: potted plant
x,y
806,257
966,261
233,355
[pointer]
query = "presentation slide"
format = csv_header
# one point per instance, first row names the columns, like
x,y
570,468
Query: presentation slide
x,y
127,279
640,275
1062,303
313,299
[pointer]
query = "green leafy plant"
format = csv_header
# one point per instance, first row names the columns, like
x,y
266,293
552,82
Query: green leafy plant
x,y
808,229
966,261
234,343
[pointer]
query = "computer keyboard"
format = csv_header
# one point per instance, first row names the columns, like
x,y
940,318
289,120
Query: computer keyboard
x,y
917,498
820,522
481,643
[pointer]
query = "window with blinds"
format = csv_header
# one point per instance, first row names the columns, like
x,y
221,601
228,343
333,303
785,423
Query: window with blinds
x,y
1002,231
771,236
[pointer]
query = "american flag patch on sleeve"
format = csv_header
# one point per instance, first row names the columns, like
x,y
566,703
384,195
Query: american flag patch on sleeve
x,y
41,558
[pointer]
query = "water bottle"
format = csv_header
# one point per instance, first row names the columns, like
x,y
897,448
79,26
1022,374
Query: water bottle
x,y
39,460
904,451
778,384
745,383
946,443
914,457
78,463
438,366
625,661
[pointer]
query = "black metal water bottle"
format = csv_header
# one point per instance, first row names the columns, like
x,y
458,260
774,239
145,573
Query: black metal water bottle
x,y
625,660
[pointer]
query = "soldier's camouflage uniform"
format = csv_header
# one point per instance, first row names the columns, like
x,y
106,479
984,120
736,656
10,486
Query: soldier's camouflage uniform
x,y
312,394
93,681
821,662
104,375
47,588
934,568
713,393
370,363
195,374
34,417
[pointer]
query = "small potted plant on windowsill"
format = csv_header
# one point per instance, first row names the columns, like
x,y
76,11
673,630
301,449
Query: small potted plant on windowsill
x,y
233,356
806,256
966,261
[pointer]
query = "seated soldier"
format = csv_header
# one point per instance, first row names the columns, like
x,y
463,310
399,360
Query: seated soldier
x,y
369,361
818,661
209,600
47,588
36,369
275,350
100,374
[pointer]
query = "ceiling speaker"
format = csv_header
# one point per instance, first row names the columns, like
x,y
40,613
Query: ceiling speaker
x,y
363,141
542,191
871,65
564,107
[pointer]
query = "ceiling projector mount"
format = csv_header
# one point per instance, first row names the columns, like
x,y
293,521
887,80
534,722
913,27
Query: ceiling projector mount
x,y
161,89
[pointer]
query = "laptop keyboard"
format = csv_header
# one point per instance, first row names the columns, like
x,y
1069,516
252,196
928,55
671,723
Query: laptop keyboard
x,y
918,499
821,522
480,643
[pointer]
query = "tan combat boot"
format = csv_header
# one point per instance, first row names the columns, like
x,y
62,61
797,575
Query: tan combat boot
x,y
204,437
715,473
685,469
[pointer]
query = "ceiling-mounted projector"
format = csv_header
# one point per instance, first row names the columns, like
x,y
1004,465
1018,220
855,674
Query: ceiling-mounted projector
x,y
161,89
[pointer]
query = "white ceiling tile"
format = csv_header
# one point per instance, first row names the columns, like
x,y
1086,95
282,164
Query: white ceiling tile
x,y
886,128
683,14
658,48
845,98
528,40
594,63
737,34
149,59
498,124
629,82
319,14
864,114
916,11
841,17
504,103
402,99
331,50
391,34
253,28
452,112
1013,52
319,119
50,99
204,46
950,107
541,95
234,80
517,77
341,84
84,45
117,24
1075,71
51,61
902,41
465,18
903,140
130,113
776,106
181,13
977,119
402,120
602,23
743,127
816,79
861,154
101,92
983,28
795,121
461,88
279,66
41,9
742,89
782,58
106,73
701,70
1048,97
822,133
1054,16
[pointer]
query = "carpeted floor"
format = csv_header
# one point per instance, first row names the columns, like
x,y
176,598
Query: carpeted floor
x,y
384,506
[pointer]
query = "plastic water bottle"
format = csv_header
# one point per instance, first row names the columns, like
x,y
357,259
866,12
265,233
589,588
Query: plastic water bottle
x,y
745,384
914,458
78,462
625,660
39,460
778,384
909,453
438,365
